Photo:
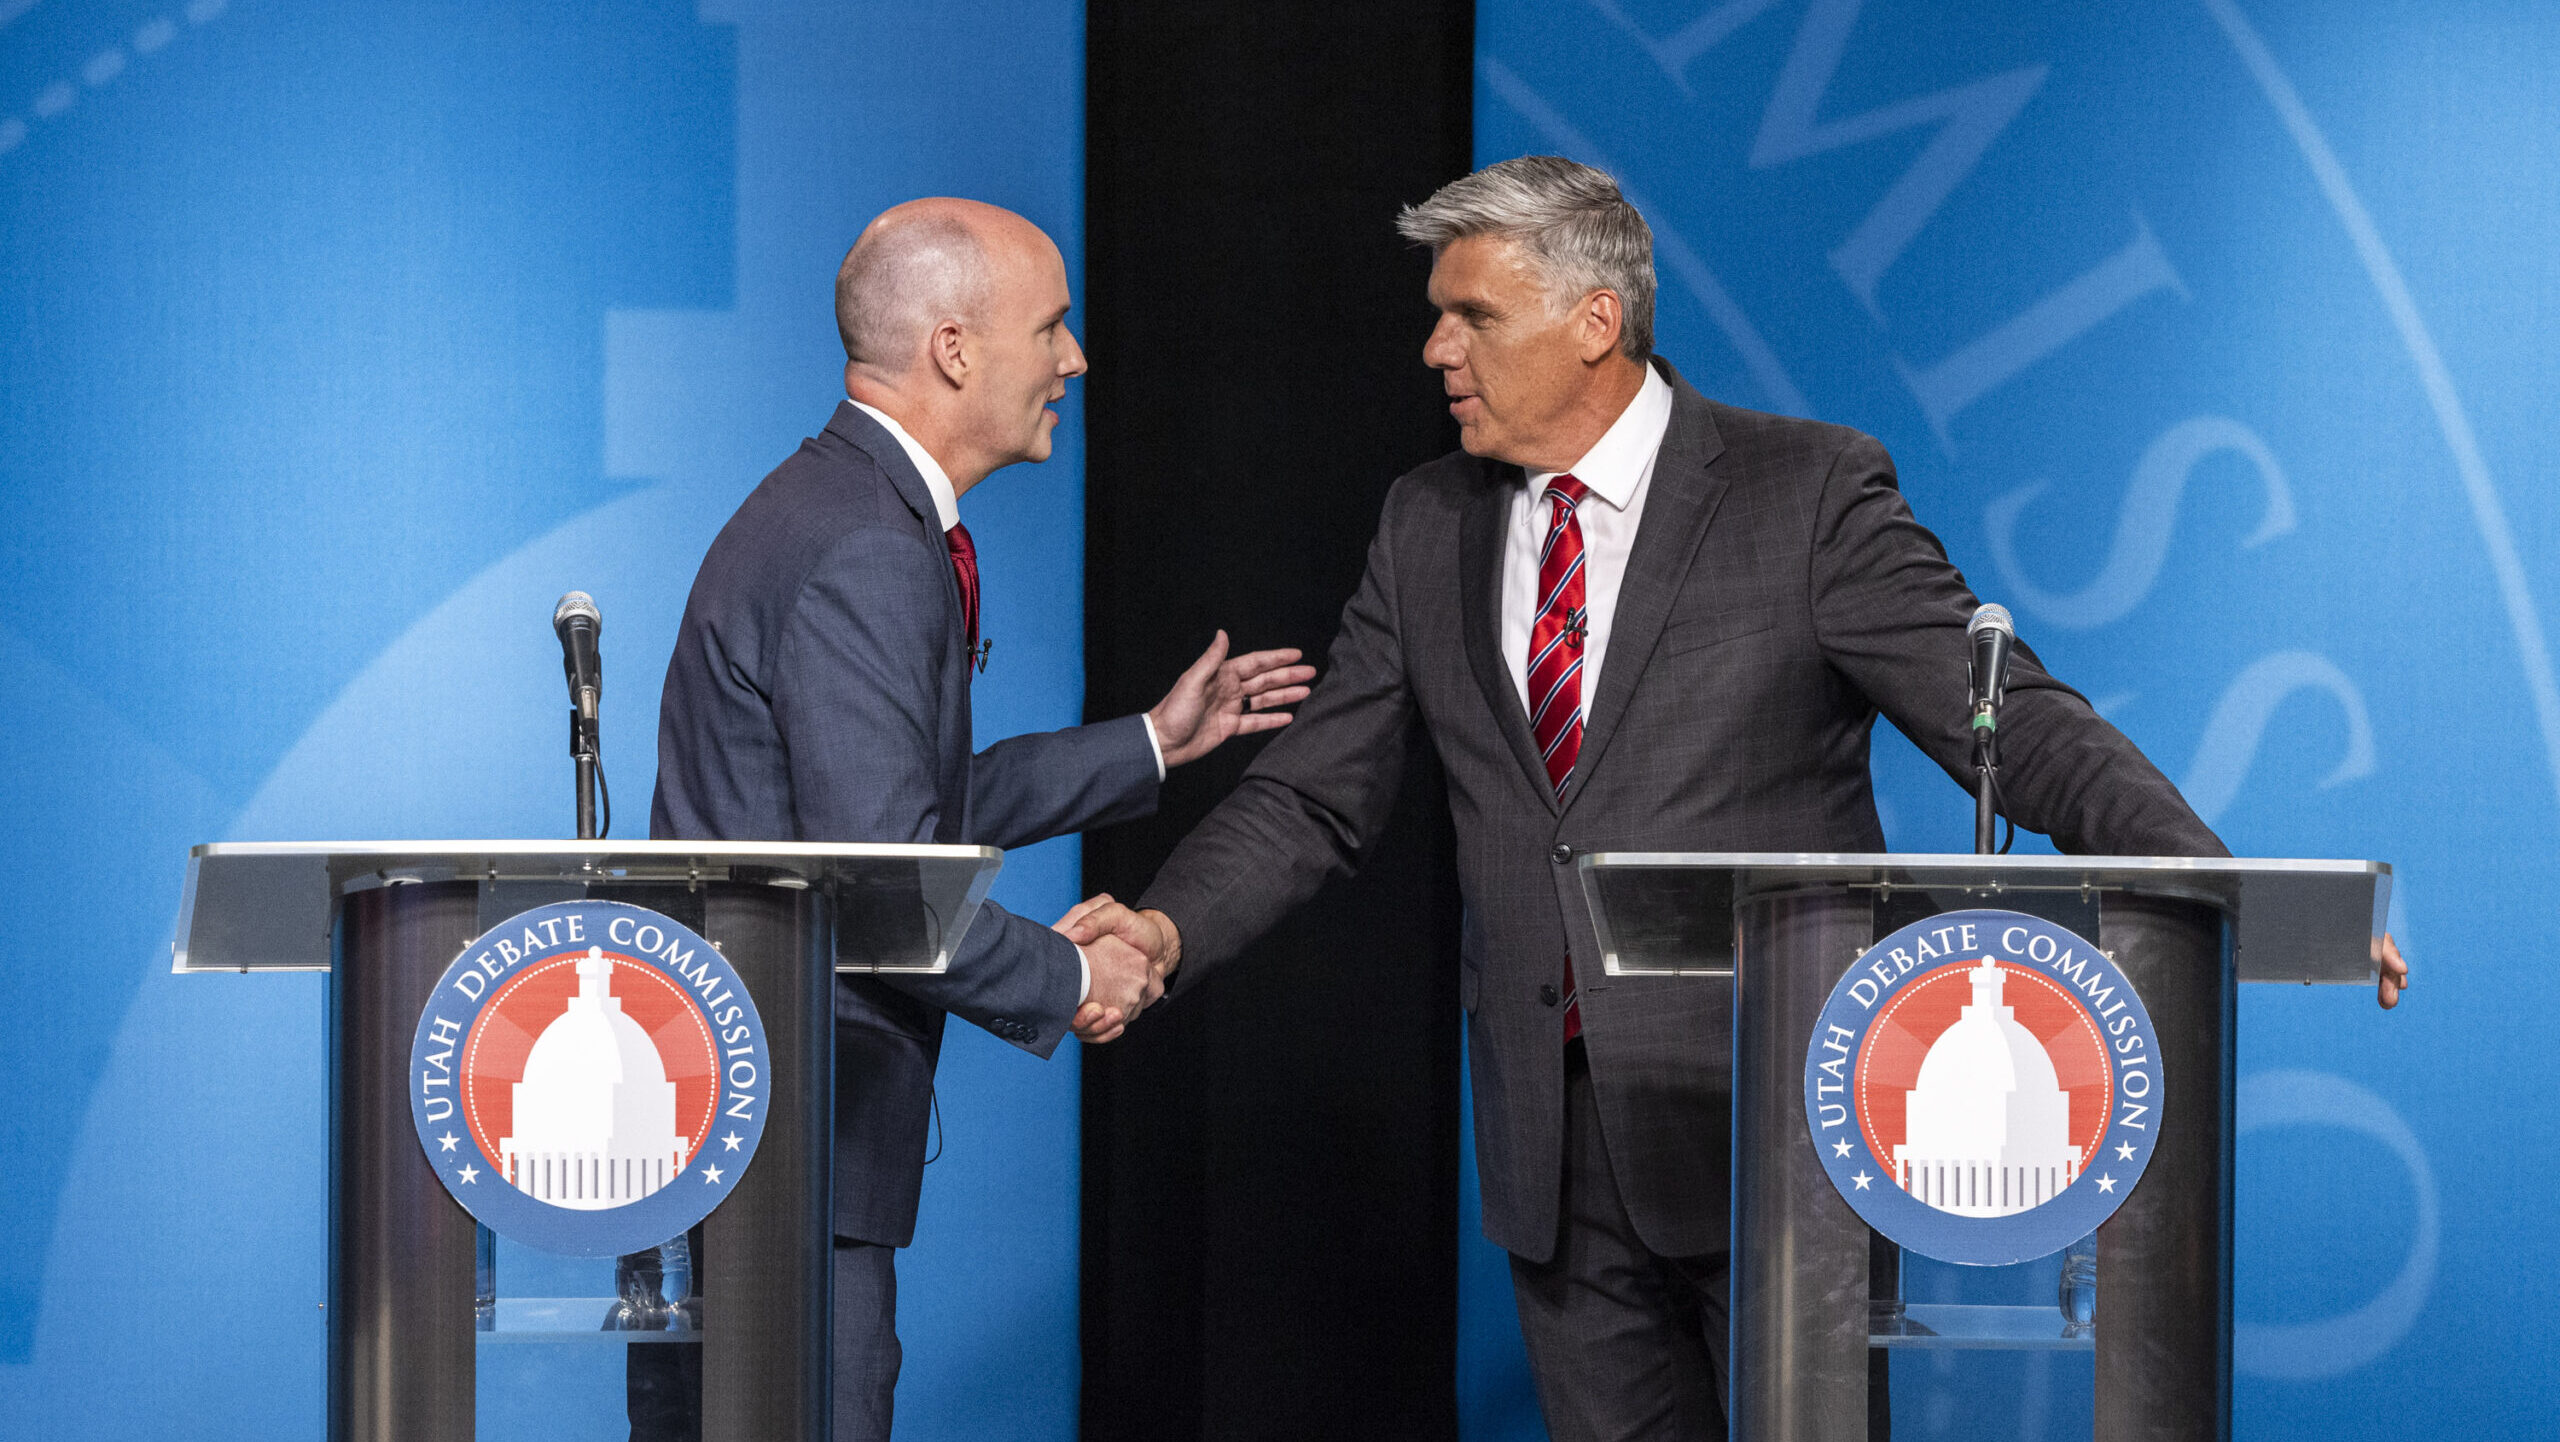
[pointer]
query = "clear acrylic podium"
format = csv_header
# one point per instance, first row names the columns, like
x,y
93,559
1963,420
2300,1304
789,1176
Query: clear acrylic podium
x,y
1783,929
408,1337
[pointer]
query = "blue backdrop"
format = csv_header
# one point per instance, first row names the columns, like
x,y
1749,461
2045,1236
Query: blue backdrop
x,y
2213,337
339,341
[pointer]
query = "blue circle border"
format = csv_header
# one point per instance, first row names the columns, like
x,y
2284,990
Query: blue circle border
x,y
2133,1120
444,1025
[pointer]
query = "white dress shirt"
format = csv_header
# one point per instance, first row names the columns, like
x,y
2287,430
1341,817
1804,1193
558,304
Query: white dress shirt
x,y
1619,471
946,501
946,512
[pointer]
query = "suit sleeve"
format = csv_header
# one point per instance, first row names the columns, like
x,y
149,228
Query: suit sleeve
x,y
1050,783
1891,613
1315,799
857,674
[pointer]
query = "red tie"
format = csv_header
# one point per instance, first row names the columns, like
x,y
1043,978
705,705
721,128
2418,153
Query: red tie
x,y
964,562
1555,666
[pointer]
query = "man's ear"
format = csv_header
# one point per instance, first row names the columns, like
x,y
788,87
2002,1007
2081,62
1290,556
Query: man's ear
x,y
948,347
1599,321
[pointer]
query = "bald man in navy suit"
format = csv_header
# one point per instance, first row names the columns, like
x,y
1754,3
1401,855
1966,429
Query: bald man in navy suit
x,y
819,691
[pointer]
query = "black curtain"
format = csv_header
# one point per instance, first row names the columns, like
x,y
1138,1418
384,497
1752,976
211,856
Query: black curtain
x,y
1270,1166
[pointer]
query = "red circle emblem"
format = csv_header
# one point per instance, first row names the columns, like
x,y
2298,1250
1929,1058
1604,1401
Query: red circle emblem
x,y
501,1041
1922,1011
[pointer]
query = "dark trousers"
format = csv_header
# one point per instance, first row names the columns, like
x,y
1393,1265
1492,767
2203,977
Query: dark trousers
x,y
866,1340
1626,1345
664,1385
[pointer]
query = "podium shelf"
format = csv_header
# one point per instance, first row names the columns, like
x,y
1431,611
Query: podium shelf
x,y
1662,913
555,1321
271,906
1959,1327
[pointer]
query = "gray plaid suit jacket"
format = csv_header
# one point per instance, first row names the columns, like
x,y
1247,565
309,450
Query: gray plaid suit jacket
x,y
1779,596
819,691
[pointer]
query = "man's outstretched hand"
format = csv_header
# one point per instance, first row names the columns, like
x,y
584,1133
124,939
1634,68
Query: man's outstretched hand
x,y
1223,696
1145,939
2395,974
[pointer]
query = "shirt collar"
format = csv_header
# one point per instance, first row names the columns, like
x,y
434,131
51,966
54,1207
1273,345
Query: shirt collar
x,y
946,502
1623,456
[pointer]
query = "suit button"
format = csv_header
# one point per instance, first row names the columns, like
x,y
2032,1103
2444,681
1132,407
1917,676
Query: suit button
x,y
1562,853
1547,994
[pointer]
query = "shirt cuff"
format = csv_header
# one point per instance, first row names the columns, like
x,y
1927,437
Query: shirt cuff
x,y
1152,743
1084,969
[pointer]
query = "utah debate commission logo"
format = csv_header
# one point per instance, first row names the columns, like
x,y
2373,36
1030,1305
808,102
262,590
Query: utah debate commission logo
x,y
1983,1087
589,1078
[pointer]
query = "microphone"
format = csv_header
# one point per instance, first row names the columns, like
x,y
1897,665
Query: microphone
x,y
578,626
1992,636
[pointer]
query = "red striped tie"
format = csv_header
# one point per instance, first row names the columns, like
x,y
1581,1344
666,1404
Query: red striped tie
x,y
1555,666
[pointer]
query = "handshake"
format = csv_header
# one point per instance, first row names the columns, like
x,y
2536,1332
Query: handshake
x,y
1130,954
1221,697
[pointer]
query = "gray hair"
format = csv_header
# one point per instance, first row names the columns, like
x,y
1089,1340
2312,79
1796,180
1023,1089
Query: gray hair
x,y
901,280
1578,232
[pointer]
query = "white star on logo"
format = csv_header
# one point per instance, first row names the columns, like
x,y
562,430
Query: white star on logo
x,y
448,1139
2125,1150
731,1141
711,1174
1840,1147
470,1175
1862,1179
2106,1184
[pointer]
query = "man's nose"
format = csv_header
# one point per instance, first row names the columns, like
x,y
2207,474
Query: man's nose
x,y
1440,349
1073,363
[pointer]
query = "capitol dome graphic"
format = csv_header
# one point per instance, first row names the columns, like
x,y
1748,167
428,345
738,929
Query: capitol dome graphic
x,y
1988,1129
595,1112
1984,1089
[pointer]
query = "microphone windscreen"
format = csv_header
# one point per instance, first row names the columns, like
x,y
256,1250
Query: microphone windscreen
x,y
1989,618
573,606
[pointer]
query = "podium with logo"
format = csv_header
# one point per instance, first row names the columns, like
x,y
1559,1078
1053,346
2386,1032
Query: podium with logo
x,y
1982,1059
580,1112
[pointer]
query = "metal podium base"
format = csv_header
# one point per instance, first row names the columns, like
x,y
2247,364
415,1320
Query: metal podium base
x,y
1800,1255
1800,1266
402,1343
2164,1259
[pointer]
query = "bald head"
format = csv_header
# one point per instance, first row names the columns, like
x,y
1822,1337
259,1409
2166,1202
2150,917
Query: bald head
x,y
920,264
954,322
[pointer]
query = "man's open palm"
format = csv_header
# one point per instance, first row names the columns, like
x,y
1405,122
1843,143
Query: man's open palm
x,y
1222,697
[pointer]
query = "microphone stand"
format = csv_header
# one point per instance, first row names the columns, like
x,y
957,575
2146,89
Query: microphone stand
x,y
1986,766
582,747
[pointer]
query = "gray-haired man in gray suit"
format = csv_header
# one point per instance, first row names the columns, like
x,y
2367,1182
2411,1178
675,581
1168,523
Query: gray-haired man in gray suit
x,y
1629,618
819,691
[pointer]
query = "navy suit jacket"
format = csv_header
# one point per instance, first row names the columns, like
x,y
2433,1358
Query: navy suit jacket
x,y
819,691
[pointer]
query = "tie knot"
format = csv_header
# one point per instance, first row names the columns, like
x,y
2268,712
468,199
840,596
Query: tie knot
x,y
1567,491
957,538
